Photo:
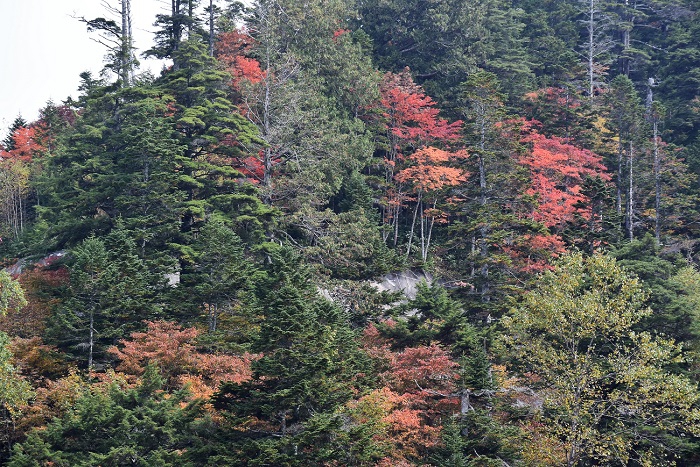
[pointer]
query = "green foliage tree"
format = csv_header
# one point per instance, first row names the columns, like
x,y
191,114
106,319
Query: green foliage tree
x,y
178,25
221,273
673,310
11,293
447,41
606,389
307,370
209,129
118,425
111,293
492,221
15,392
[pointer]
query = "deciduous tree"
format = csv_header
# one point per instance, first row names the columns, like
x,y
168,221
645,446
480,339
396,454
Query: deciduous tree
x,y
606,387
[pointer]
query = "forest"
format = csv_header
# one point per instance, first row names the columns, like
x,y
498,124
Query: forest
x,y
191,260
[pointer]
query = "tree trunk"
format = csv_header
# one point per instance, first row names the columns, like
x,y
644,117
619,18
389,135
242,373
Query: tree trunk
x,y
630,195
618,193
127,49
591,42
430,234
657,184
92,338
211,28
413,225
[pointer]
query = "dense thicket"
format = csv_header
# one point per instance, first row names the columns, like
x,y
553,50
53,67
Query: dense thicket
x,y
193,257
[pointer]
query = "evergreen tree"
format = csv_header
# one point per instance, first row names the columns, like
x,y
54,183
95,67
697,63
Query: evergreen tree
x,y
209,129
308,366
220,276
447,41
111,293
118,425
492,220
9,142
176,26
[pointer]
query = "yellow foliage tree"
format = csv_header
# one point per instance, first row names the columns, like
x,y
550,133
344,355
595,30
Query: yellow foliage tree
x,y
605,388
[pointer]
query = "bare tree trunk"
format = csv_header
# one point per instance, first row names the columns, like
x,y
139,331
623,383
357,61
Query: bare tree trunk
x,y
630,195
657,184
591,42
213,317
211,28
413,225
92,338
619,176
430,234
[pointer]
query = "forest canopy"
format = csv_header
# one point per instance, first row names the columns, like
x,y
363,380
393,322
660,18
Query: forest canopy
x,y
200,267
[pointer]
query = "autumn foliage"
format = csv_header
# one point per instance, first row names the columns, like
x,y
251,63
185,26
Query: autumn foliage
x,y
418,391
412,116
557,170
233,50
26,145
173,350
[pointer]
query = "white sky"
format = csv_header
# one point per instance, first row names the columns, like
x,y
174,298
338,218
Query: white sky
x,y
43,50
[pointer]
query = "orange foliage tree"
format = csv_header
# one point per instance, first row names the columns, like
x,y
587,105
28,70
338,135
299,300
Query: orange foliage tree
x,y
418,392
428,174
409,120
557,170
173,350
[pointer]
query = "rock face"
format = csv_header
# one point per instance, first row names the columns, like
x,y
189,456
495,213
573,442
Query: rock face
x,y
404,282
17,268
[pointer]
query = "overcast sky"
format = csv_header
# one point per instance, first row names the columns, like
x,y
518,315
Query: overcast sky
x,y
43,50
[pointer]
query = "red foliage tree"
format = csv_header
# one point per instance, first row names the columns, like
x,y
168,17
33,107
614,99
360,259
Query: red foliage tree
x,y
419,390
233,50
26,145
410,115
557,170
409,119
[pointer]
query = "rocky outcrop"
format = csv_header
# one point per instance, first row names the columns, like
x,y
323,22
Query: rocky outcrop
x,y
32,262
405,282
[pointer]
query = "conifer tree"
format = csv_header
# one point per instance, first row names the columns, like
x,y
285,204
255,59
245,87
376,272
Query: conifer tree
x,y
308,364
118,425
8,143
111,293
209,129
221,273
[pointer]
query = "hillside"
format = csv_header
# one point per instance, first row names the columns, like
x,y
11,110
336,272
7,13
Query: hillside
x,y
222,265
